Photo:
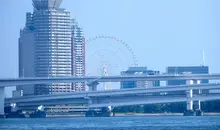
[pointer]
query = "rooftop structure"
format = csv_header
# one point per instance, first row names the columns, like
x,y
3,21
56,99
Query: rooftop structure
x,y
46,4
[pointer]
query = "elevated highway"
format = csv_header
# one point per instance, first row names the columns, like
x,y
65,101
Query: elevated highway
x,y
92,98
49,80
144,99
104,96
121,100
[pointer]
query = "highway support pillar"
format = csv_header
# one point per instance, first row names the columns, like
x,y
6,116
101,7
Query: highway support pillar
x,y
189,108
2,102
197,105
93,86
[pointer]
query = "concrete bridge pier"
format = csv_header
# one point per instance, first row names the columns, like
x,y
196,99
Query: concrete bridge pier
x,y
38,113
93,86
98,112
107,111
197,105
2,102
189,108
102,112
14,111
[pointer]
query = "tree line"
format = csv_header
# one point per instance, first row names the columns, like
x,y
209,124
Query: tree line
x,y
209,106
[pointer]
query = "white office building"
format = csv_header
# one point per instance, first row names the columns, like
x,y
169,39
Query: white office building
x,y
47,48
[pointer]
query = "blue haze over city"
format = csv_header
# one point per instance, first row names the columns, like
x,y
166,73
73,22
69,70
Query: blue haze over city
x,y
160,33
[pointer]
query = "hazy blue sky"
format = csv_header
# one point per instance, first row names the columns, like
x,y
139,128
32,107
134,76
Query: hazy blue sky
x,y
160,32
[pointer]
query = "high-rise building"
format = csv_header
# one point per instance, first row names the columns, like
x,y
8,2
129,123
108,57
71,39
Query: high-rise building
x,y
51,45
187,70
26,55
139,84
78,41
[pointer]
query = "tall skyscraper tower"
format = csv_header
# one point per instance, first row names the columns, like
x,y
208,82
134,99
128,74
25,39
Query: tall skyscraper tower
x,y
51,45
78,41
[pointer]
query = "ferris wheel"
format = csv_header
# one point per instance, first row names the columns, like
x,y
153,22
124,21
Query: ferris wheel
x,y
117,41
105,66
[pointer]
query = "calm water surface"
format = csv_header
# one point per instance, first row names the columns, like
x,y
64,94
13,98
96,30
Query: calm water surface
x,y
114,123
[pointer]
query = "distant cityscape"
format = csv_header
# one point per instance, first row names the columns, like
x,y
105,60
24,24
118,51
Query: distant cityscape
x,y
52,44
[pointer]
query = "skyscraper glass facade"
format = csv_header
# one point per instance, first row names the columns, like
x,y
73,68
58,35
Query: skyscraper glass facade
x,y
186,70
53,53
139,84
47,48
78,41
